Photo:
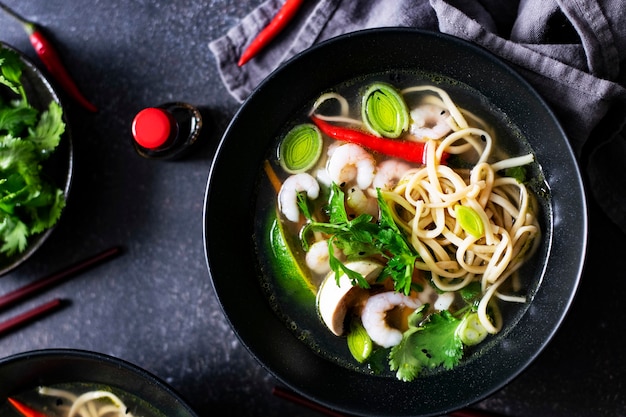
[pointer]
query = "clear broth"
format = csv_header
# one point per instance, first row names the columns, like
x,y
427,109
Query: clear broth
x,y
53,406
299,312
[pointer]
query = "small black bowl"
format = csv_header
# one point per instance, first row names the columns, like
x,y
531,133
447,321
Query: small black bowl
x,y
26,371
58,168
231,195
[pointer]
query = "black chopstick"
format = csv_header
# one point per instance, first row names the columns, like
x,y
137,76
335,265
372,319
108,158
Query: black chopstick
x,y
28,290
31,315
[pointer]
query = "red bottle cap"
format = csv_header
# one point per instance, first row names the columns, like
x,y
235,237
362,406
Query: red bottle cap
x,y
152,127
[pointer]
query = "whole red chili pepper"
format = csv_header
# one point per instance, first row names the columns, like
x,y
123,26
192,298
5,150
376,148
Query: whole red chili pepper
x,y
25,410
276,25
402,149
51,59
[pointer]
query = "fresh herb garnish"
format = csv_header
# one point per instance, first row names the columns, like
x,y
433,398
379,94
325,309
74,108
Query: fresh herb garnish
x,y
28,203
517,172
362,237
427,345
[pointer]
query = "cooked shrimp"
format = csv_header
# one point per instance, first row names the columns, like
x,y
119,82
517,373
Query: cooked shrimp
x,y
388,174
430,122
350,162
439,301
374,314
317,256
288,195
321,175
361,203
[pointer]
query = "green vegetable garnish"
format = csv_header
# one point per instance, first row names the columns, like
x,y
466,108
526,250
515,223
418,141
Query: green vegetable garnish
x,y
301,148
471,293
519,173
428,345
471,331
28,203
361,237
469,220
359,342
11,72
384,111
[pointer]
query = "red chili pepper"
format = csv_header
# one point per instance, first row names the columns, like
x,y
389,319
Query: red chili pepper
x,y
51,59
25,410
276,25
402,149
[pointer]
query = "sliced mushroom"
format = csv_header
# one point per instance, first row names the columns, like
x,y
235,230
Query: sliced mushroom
x,y
333,301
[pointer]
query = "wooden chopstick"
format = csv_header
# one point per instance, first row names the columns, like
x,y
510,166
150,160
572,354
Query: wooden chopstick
x,y
28,290
31,315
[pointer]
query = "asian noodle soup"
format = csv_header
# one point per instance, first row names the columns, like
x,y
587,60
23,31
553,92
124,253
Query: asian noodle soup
x,y
78,400
395,221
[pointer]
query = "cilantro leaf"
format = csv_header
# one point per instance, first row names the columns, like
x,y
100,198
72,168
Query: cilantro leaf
x,y
401,262
14,233
11,72
361,237
337,208
15,119
518,172
303,205
28,203
427,346
46,135
353,237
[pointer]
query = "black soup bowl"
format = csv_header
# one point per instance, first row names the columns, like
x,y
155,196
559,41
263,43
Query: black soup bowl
x,y
231,223
143,393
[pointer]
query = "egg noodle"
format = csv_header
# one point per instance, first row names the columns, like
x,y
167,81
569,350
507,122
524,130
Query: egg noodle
x,y
424,204
89,404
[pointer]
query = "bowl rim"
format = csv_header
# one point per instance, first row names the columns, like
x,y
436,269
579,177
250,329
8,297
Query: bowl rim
x,y
308,381
72,354
38,240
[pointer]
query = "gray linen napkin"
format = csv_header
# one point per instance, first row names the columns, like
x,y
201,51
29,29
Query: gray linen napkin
x,y
569,50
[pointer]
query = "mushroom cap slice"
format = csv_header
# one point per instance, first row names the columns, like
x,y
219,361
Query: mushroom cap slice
x,y
334,300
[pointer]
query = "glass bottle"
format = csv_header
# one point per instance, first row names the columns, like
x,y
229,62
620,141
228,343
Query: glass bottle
x,y
166,131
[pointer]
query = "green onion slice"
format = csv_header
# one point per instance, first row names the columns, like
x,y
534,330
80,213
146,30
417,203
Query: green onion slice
x,y
471,331
301,148
469,220
359,342
384,111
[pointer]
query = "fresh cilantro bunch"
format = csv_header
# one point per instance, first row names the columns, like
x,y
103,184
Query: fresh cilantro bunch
x,y
29,204
361,237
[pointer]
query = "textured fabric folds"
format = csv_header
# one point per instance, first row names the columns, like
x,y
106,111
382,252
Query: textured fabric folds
x,y
569,50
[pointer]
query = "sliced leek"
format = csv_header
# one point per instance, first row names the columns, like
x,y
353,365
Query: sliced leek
x,y
359,342
301,148
469,220
384,111
471,331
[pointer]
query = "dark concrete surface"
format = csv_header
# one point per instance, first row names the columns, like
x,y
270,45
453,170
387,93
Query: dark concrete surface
x,y
154,305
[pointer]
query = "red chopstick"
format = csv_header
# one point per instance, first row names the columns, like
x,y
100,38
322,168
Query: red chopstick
x,y
31,315
298,399
33,288
28,290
